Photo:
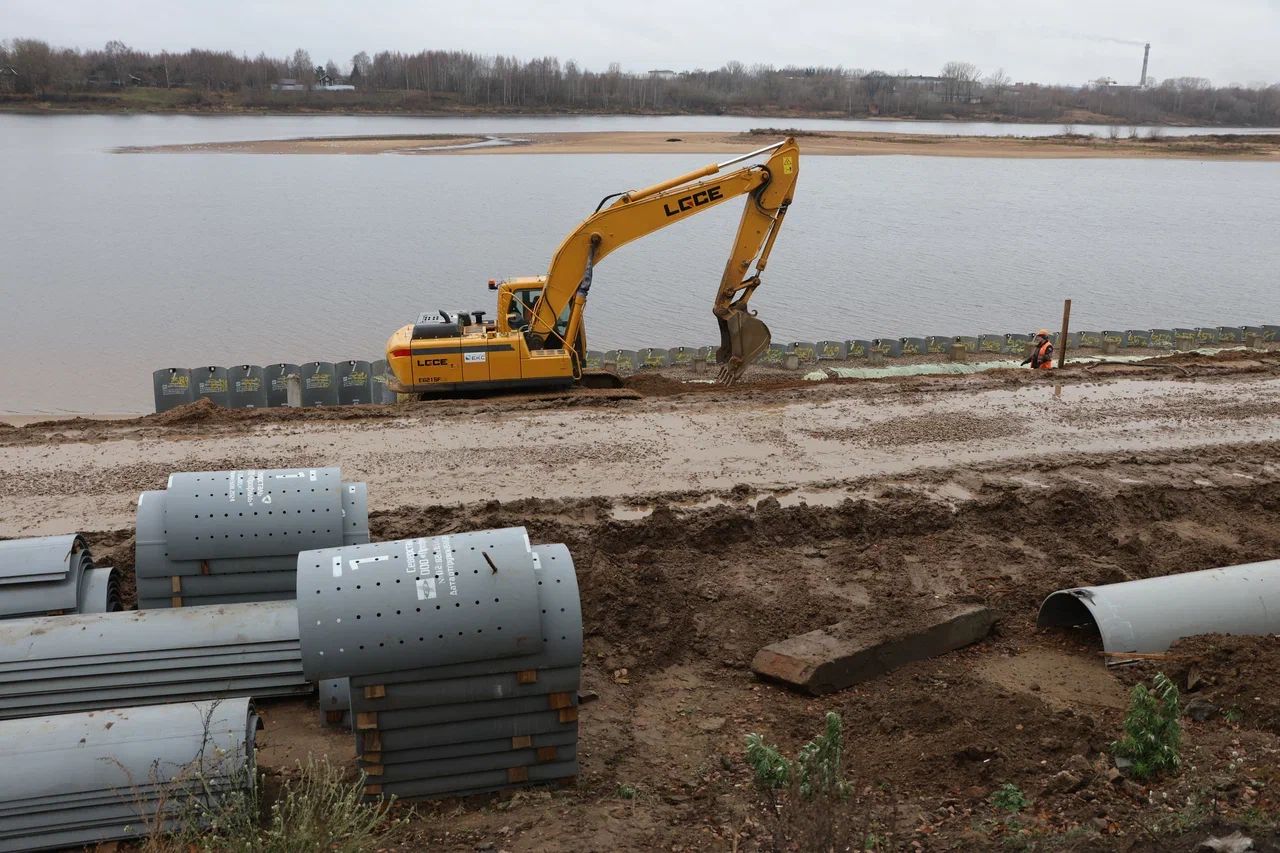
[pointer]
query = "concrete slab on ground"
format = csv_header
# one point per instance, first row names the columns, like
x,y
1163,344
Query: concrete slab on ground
x,y
840,656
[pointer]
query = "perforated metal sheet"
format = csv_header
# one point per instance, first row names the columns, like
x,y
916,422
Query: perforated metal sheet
x,y
387,606
127,667
39,559
335,694
248,386
261,687
68,637
151,552
82,753
561,630
463,732
108,775
213,600
218,514
355,514
482,688
355,382
319,384
198,585
211,383
478,782
277,377
100,591
437,714
452,767
37,668
476,747
172,387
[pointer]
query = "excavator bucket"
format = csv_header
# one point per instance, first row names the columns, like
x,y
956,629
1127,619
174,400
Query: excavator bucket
x,y
742,339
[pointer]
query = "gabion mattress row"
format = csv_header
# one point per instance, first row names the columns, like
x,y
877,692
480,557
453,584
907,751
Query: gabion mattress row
x,y
228,537
82,779
51,575
463,655
66,664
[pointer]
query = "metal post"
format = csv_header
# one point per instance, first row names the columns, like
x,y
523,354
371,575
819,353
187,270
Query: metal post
x,y
1062,341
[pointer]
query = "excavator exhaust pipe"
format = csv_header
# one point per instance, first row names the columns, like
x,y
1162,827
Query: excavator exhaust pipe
x,y
743,338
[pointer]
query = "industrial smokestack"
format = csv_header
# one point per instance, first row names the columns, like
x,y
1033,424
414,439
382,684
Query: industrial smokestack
x,y
1146,52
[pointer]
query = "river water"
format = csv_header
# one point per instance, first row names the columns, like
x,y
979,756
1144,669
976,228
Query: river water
x,y
113,265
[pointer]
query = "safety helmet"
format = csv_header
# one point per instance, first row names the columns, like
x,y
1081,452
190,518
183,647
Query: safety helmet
x,y
1043,333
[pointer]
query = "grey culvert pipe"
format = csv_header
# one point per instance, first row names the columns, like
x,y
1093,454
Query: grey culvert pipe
x,y
80,779
83,662
47,575
1148,616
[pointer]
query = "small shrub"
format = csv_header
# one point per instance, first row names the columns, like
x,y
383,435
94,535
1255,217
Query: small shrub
x,y
1152,739
626,792
1009,798
816,770
320,809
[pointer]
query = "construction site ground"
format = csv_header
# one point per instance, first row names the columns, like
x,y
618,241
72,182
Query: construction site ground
x,y
707,522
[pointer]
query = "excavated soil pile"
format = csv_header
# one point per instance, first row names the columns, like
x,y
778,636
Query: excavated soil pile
x,y
1236,679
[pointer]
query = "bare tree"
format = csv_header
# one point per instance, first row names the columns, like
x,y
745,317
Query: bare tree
x,y
873,83
301,67
996,82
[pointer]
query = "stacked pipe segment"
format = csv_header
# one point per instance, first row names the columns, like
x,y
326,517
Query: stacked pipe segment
x,y
49,575
464,655
228,537
66,664
81,779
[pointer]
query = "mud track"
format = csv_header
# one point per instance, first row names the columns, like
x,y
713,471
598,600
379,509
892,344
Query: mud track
x,y
862,502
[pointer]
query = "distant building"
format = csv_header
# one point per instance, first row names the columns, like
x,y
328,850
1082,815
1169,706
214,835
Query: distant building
x,y
288,84
334,87
663,73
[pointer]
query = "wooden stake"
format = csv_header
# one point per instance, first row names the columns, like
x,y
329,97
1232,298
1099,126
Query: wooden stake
x,y
1062,341
375,691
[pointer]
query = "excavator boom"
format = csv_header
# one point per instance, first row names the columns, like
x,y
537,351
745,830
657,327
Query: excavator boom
x,y
768,188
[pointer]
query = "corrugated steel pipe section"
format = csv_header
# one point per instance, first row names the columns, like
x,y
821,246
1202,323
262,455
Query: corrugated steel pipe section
x,y
335,702
228,537
1150,615
81,779
50,575
464,654
66,664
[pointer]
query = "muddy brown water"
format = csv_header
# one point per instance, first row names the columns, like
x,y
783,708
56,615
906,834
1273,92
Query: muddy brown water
x,y
122,264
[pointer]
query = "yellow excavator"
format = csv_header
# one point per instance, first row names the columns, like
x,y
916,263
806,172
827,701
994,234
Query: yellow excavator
x,y
538,338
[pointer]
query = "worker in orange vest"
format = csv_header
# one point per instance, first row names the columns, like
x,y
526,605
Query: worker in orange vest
x,y
1041,357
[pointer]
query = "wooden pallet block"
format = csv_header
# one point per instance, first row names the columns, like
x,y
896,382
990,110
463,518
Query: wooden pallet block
x,y
521,742
517,774
204,567
371,757
568,715
366,720
175,584
557,701
373,790
175,601
373,742
546,753
372,769
527,676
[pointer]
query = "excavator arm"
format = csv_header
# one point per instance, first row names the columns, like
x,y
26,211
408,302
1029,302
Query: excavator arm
x,y
768,188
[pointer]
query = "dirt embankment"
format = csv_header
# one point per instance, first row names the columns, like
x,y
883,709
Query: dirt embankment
x,y
1218,146
677,600
705,523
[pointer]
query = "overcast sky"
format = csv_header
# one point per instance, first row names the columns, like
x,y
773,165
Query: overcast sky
x,y
1228,41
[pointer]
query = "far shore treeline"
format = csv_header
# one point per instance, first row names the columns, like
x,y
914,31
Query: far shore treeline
x,y
37,76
